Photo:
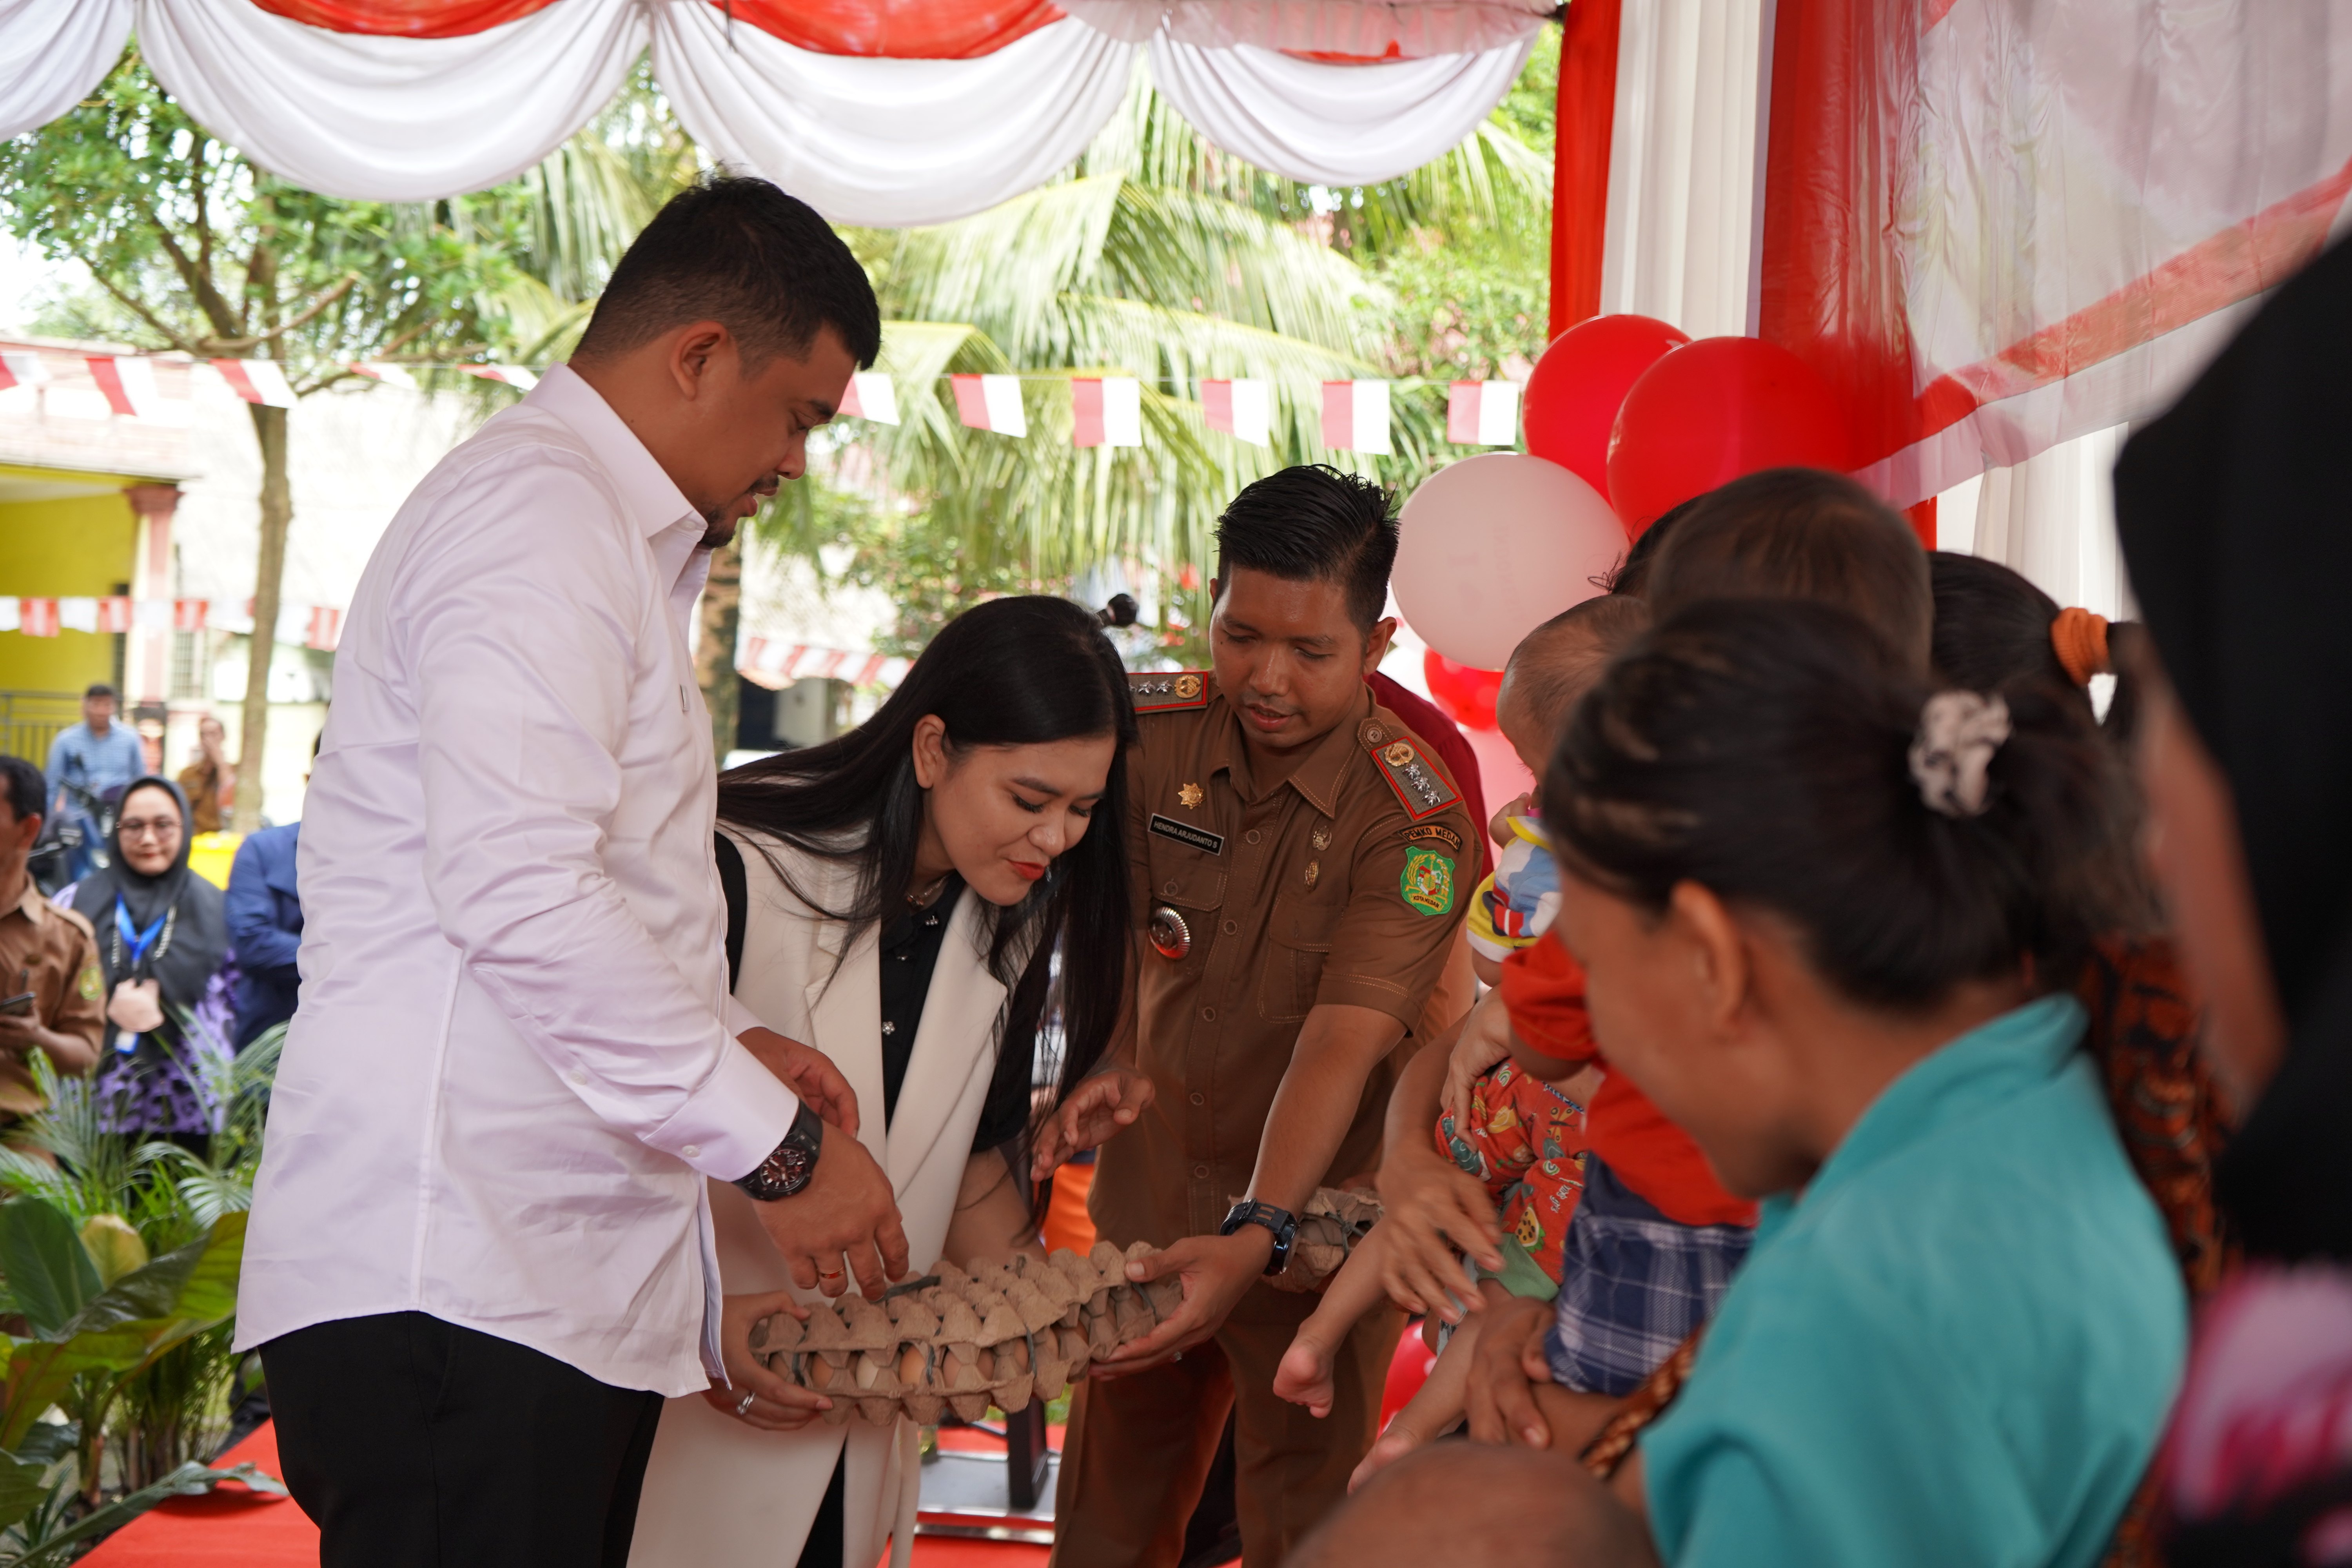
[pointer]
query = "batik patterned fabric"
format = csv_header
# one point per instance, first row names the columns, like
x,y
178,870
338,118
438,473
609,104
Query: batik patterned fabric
x,y
1525,1142
165,1085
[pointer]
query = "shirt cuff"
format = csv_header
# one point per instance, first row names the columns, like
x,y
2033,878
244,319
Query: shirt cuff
x,y
733,1121
738,1017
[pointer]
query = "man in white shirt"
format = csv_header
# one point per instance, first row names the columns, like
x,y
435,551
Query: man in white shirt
x,y
479,1253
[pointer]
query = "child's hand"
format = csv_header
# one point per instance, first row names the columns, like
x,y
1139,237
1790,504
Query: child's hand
x,y
1500,828
1484,1040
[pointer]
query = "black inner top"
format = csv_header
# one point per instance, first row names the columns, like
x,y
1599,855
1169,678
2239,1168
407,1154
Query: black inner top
x,y
910,952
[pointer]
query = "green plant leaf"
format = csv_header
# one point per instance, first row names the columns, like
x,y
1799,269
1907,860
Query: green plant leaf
x,y
50,1275
22,1488
190,1479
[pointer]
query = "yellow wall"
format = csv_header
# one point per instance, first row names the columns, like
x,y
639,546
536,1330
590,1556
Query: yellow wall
x,y
60,548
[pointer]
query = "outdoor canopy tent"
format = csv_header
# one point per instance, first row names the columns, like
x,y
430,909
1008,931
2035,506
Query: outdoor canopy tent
x,y
1993,225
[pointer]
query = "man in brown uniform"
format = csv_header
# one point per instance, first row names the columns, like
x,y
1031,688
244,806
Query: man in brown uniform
x,y
51,995
1298,861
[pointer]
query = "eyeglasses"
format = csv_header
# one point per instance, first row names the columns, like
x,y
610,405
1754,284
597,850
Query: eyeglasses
x,y
141,827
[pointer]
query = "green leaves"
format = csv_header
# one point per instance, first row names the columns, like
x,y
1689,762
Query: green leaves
x,y
50,1275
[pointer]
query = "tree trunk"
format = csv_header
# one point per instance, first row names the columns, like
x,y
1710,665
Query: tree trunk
x,y
269,575
714,650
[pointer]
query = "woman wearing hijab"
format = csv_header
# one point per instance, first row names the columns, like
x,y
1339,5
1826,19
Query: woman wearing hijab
x,y
2230,508
162,938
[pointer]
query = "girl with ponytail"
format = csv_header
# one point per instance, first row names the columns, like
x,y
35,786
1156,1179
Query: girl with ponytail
x,y
1829,918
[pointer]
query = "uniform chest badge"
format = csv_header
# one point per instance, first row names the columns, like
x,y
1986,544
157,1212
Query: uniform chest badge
x,y
1314,870
1322,835
1427,882
1190,795
1170,937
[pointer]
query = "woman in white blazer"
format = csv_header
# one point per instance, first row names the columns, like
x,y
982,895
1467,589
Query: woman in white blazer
x,y
904,888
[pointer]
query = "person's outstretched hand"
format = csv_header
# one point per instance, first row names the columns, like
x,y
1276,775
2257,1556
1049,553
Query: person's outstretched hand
x,y
808,1073
777,1405
1216,1272
847,1212
1433,1211
1483,1042
1506,1366
1100,1105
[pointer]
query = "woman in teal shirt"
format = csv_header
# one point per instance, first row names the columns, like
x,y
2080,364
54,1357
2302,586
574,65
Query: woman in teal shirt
x,y
1812,901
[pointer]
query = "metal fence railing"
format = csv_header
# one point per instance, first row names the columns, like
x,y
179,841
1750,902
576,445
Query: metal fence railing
x,y
29,721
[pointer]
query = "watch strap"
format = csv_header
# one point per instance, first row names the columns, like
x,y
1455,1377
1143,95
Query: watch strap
x,y
1282,1223
792,1163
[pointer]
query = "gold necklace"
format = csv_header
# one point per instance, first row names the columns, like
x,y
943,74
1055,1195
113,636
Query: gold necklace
x,y
921,900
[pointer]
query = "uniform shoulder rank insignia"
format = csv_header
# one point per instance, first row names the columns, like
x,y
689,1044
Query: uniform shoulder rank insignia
x,y
1167,692
1421,786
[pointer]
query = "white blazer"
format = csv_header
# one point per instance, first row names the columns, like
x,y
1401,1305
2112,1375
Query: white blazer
x,y
720,1494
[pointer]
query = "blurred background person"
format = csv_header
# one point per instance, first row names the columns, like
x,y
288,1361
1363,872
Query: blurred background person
x,y
52,993
265,925
210,781
89,763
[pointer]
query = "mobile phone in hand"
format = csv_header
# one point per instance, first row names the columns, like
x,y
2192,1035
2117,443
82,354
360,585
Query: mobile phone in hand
x,y
19,1006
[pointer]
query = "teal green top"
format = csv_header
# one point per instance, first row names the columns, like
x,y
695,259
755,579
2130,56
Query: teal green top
x,y
1956,1346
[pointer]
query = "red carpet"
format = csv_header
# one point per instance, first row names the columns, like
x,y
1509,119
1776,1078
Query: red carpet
x,y
234,1528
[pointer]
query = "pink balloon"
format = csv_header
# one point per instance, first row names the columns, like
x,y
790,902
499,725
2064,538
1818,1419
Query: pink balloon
x,y
1491,547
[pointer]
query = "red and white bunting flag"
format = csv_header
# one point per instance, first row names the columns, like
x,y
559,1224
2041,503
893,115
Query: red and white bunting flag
x,y
22,367
322,628
261,381
77,613
513,375
188,615
151,615
112,614
37,617
828,663
1483,413
991,403
871,394
390,374
1356,416
128,381
1242,409
867,671
1107,411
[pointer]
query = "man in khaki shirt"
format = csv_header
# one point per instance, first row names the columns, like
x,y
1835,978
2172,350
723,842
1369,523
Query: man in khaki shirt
x,y
52,997
1299,865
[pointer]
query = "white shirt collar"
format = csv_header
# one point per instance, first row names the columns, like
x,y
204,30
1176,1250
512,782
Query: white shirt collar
x,y
654,501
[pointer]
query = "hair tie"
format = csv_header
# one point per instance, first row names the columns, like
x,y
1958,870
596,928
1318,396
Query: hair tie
x,y
2080,640
1958,734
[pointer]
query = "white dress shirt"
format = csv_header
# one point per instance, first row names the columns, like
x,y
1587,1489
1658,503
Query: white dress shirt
x,y
515,1061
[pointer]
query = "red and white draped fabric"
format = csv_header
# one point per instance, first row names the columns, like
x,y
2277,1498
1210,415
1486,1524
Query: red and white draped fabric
x,y
888,112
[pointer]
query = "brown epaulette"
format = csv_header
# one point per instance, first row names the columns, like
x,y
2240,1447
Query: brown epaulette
x,y
1168,691
1421,785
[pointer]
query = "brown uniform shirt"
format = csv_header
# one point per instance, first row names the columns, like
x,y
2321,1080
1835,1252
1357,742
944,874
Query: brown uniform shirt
x,y
1343,883
51,952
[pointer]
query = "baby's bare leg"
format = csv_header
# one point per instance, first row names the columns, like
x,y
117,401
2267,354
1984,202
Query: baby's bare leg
x,y
1305,1375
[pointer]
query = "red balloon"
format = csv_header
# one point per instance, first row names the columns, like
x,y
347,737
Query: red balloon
x,y
1572,398
1708,412
1466,694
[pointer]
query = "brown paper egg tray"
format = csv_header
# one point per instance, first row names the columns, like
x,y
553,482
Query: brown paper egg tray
x,y
1335,1220
1001,1334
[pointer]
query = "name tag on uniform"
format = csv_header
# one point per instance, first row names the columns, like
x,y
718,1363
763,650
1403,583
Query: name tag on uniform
x,y
1186,834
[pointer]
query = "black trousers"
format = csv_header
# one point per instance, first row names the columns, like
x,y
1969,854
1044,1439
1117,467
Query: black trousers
x,y
413,1443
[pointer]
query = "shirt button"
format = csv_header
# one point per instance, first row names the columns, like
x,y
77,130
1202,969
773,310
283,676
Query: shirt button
x,y
1209,1014
691,1151
1250,835
1201,1172
576,1075
1231,928
1171,889
1200,1100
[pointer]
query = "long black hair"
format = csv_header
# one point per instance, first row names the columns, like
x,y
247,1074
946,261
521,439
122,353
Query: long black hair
x,y
1761,748
1011,672
1993,625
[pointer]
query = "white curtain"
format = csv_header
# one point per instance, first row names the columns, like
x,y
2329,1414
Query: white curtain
x,y
1333,124
1366,28
390,119
52,52
1682,172
888,143
2053,517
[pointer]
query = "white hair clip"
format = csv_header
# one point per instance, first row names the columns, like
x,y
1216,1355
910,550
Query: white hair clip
x,y
1958,734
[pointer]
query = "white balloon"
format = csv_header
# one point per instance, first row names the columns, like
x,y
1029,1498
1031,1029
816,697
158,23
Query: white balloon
x,y
1490,548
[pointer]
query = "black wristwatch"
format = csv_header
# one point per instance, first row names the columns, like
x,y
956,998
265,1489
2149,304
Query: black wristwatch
x,y
787,1169
1282,1222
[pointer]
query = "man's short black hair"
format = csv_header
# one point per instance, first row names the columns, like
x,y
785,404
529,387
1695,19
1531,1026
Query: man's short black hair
x,y
741,253
1313,524
97,689
28,791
